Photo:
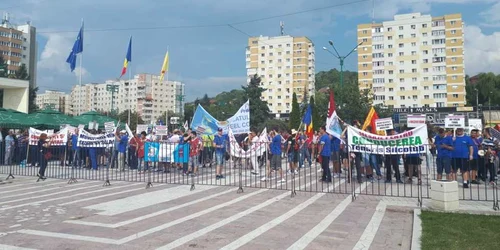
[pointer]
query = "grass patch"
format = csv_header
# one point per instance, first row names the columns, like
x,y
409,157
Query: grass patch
x,y
459,231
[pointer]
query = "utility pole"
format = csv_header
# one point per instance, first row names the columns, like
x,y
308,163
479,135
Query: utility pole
x,y
113,89
341,59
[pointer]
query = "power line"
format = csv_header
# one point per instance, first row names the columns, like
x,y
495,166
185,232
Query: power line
x,y
209,25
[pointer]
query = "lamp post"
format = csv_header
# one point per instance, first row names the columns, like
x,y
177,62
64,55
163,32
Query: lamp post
x,y
341,58
127,85
113,89
489,104
477,103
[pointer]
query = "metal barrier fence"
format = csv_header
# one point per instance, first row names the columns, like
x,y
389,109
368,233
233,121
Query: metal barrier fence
x,y
351,173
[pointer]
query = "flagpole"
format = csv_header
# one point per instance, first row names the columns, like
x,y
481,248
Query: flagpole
x,y
80,78
128,91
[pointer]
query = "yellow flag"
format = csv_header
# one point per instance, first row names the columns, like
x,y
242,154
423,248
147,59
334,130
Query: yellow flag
x,y
164,68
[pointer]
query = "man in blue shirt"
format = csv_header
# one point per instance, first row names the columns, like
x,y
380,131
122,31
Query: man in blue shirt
x,y
220,150
276,151
122,139
477,162
325,151
336,156
462,155
443,144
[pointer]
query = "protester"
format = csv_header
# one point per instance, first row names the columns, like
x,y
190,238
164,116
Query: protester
x,y
220,150
45,155
10,146
292,151
324,154
392,161
122,139
463,152
276,151
474,164
194,153
140,152
443,144
491,146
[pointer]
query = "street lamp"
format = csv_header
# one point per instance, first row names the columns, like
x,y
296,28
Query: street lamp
x,y
477,103
127,85
113,89
341,58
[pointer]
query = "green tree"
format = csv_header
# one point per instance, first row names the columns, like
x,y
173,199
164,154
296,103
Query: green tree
x,y
486,85
3,67
327,78
32,107
135,119
205,101
258,108
272,124
295,114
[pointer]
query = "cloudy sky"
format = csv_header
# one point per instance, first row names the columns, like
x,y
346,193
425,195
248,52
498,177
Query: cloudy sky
x,y
206,53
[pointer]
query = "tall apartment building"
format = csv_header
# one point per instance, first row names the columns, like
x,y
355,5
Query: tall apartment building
x,y
54,100
144,94
413,61
285,65
18,46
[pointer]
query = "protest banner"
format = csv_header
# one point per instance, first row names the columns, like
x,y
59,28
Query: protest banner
x,y
141,127
88,140
56,139
410,142
454,121
151,151
475,124
109,127
161,130
239,123
415,121
384,124
255,150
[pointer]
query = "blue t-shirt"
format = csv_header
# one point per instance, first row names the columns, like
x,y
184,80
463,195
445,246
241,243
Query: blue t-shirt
x,y
335,144
441,151
122,146
276,145
475,143
327,144
74,142
220,140
461,147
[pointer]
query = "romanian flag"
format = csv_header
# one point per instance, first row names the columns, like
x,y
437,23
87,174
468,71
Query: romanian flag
x,y
128,58
307,120
370,121
164,68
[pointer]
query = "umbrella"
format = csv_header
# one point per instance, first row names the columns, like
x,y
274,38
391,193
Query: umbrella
x,y
13,118
50,119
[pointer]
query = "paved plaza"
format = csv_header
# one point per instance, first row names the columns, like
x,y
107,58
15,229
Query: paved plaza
x,y
53,214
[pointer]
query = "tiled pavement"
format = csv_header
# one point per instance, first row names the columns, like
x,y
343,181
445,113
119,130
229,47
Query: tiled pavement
x,y
85,215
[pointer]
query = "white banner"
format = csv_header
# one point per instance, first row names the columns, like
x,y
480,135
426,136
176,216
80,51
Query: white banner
x,y
409,142
240,122
58,139
88,140
384,124
161,130
257,149
415,121
454,121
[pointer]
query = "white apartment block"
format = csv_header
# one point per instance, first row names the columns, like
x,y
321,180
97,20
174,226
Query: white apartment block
x,y
285,65
413,61
54,100
144,94
18,46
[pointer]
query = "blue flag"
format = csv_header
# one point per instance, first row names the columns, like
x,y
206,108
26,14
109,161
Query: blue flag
x,y
77,48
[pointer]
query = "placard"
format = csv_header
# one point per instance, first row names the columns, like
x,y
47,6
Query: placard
x,y
161,130
93,125
109,127
475,124
384,124
88,140
141,127
414,121
56,139
454,121
81,126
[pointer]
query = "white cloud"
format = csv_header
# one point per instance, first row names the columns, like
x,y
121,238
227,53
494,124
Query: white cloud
x,y
482,53
54,55
491,17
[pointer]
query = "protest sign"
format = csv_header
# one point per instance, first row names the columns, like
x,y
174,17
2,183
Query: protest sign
x,y
409,142
88,140
81,126
415,120
475,124
384,124
58,139
151,151
141,127
454,121
109,127
161,130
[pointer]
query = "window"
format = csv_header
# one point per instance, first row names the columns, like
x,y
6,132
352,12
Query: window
x,y
426,96
378,72
424,43
365,40
365,65
439,104
263,47
391,63
426,87
438,32
455,95
453,40
454,68
401,28
378,80
401,97
454,78
389,55
426,52
365,73
453,59
401,71
389,29
426,70
378,30
453,23
414,97
279,53
401,80
391,72
262,54
413,35
365,31
391,98
439,95
426,78
288,45
424,34
455,104
412,26
389,46
424,25
401,63
401,53
401,45
453,32
413,70
413,61
391,89
391,80
270,46
414,88
413,44
400,37
453,50
414,79
270,61
389,38
426,60
365,56
413,53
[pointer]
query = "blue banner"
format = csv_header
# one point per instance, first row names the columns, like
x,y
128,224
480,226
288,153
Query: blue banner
x,y
151,151
204,123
